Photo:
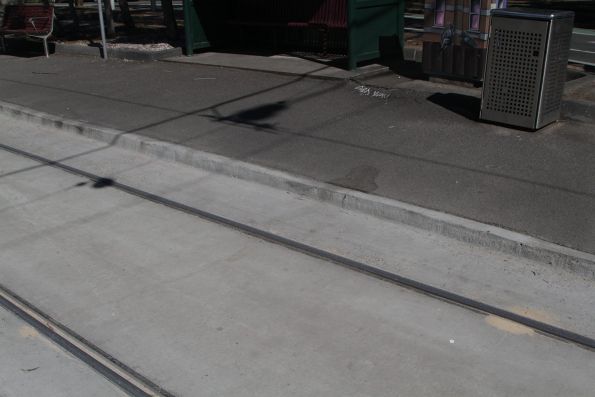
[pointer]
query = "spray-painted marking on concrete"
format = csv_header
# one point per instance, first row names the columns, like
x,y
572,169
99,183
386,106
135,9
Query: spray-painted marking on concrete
x,y
368,91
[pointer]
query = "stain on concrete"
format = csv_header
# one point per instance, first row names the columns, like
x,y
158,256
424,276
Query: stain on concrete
x,y
508,326
519,329
361,178
26,331
535,314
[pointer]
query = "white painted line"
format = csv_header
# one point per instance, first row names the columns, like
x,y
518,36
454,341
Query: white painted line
x,y
583,32
581,62
583,51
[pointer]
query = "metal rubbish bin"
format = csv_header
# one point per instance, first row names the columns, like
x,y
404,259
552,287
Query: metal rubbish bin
x,y
526,66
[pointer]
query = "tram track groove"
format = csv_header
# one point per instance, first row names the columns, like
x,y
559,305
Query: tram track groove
x,y
130,381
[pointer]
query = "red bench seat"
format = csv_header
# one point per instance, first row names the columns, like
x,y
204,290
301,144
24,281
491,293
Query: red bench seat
x,y
320,14
27,20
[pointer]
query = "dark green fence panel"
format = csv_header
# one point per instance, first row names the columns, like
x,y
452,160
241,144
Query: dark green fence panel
x,y
197,16
376,27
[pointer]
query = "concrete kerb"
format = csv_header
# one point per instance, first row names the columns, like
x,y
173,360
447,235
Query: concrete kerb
x,y
451,226
118,53
323,73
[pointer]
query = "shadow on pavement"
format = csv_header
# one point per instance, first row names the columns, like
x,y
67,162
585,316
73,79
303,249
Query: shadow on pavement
x,y
255,116
465,105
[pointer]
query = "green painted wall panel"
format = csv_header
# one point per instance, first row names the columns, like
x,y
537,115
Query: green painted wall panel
x,y
374,26
197,16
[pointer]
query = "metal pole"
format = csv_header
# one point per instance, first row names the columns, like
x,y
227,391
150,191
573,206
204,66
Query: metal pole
x,y
102,29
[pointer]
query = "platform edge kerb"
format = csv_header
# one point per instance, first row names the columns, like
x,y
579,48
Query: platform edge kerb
x,y
458,228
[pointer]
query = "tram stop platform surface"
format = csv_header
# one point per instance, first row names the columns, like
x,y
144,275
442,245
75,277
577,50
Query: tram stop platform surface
x,y
277,63
386,134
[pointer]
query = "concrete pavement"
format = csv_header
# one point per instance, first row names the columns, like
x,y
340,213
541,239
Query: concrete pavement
x,y
202,309
414,142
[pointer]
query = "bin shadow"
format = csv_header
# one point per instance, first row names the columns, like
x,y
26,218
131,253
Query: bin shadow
x,y
466,105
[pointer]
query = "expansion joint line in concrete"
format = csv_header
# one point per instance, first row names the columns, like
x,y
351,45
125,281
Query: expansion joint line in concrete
x,y
425,289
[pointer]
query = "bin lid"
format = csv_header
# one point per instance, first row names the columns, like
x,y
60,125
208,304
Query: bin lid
x,y
532,13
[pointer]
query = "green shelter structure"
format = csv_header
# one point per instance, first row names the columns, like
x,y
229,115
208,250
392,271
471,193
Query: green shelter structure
x,y
360,30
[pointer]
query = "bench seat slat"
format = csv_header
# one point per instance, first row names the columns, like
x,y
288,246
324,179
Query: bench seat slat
x,y
290,13
33,19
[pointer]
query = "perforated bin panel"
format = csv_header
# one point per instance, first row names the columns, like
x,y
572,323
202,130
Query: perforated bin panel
x,y
514,71
555,70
